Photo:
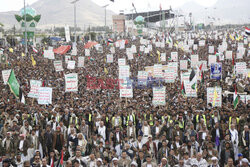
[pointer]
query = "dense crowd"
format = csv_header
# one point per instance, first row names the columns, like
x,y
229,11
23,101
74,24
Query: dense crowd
x,y
97,128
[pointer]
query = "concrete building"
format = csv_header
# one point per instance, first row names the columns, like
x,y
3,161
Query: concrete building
x,y
118,23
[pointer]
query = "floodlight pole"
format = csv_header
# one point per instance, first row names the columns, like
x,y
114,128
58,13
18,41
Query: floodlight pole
x,y
105,13
74,2
25,29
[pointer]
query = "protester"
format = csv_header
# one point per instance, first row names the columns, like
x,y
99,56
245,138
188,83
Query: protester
x,y
94,126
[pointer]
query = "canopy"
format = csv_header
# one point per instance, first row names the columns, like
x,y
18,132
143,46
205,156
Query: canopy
x,y
90,44
62,49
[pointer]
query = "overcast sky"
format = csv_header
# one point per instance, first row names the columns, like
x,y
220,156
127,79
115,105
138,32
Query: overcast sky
x,y
141,5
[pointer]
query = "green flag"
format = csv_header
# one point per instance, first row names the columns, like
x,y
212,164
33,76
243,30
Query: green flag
x,y
13,83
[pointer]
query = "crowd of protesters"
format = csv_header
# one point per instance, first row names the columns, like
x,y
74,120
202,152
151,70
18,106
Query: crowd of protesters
x,y
97,128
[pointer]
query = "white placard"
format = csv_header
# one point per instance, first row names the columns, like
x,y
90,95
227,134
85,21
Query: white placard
x,y
183,64
194,60
241,67
71,82
67,58
174,56
211,49
110,58
133,49
163,57
5,76
49,54
34,88
159,95
124,72
169,75
212,59
45,95
190,92
112,50
202,43
126,92
87,52
210,96
229,55
121,62
58,65
71,65
158,71
81,61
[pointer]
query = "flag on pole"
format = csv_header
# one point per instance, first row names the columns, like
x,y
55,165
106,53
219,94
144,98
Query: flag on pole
x,y
34,49
236,98
33,61
21,96
160,7
13,84
192,79
110,42
183,89
61,160
247,31
215,96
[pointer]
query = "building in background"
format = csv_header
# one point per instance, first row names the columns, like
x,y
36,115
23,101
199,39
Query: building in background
x,y
118,23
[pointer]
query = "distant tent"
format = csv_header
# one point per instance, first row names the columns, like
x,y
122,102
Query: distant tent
x,y
62,49
90,45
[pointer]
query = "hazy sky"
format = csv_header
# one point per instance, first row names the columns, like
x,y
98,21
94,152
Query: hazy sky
x,y
141,5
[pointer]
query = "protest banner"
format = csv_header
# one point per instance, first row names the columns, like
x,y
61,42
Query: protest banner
x,y
49,54
229,55
146,50
241,67
190,92
110,58
45,95
130,56
133,49
5,76
71,65
87,52
126,92
216,71
202,43
194,60
58,65
71,82
158,71
211,49
159,97
169,75
142,47
163,57
121,62
214,97
183,64
174,56
34,87
124,72
81,61
173,66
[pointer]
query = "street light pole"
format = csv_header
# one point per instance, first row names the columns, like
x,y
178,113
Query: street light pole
x,y
74,2
25,29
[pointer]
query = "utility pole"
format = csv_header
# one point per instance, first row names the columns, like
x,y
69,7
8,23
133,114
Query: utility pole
x,y
25,29
74,2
